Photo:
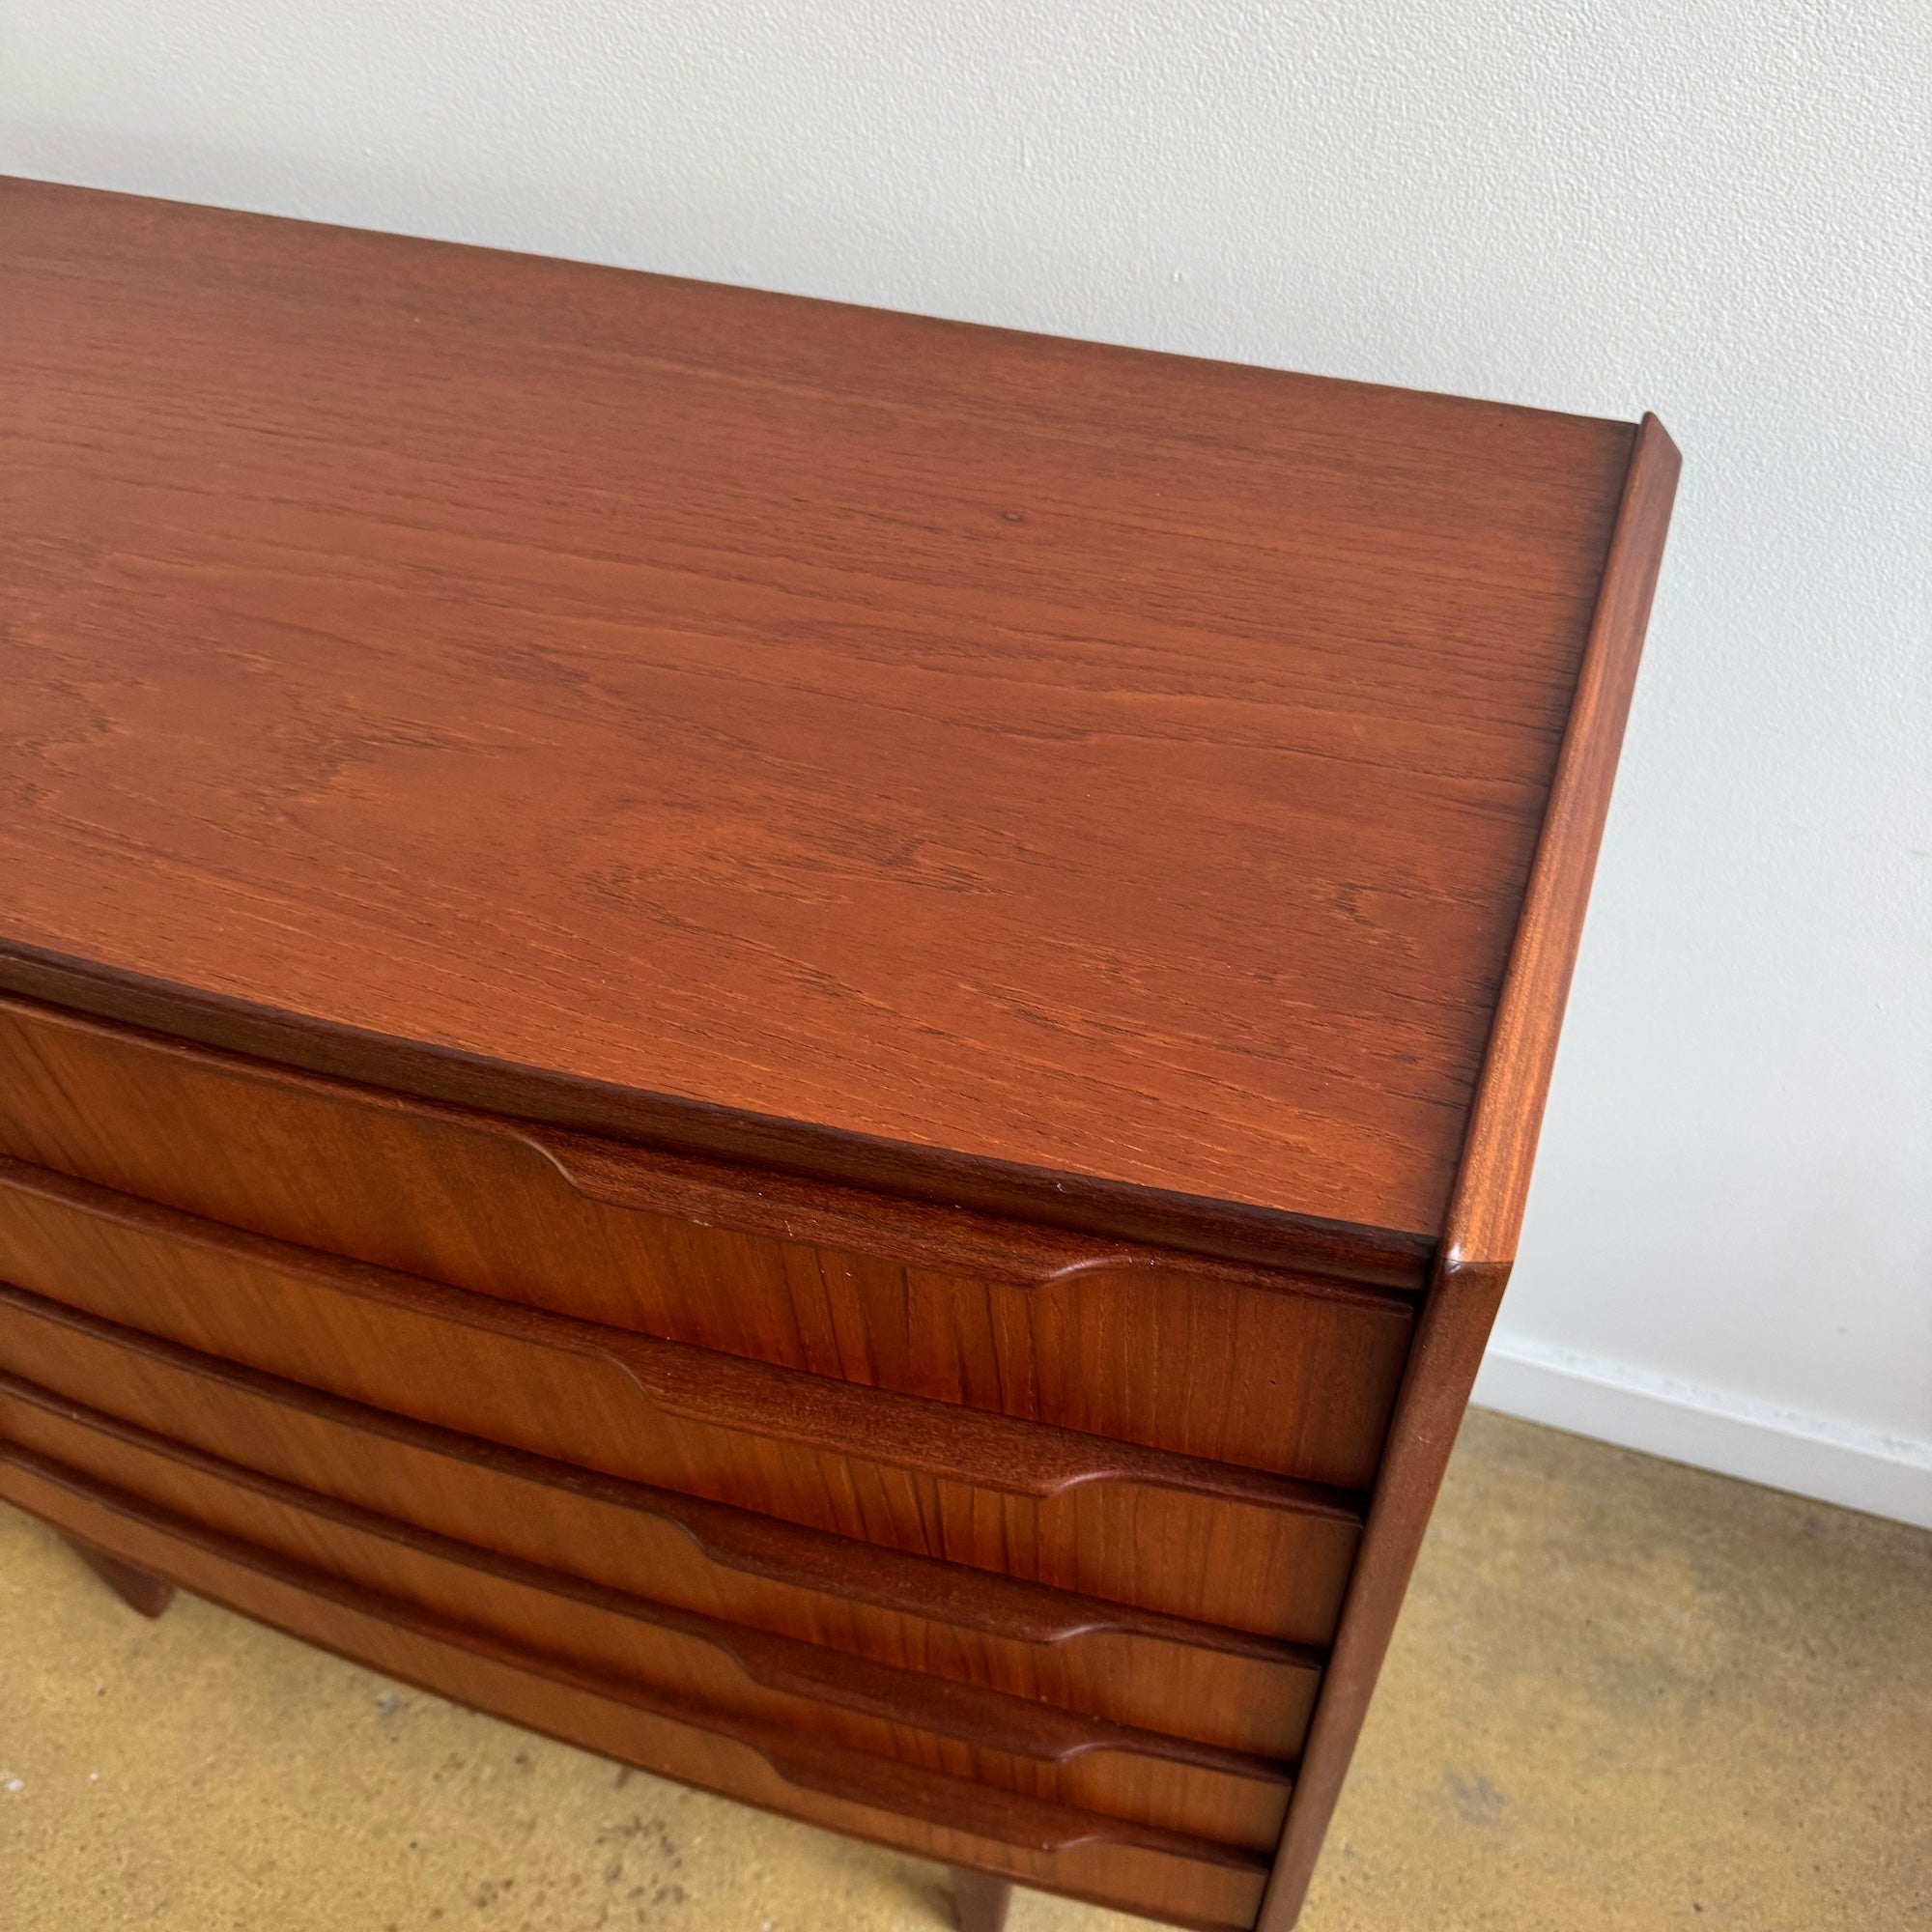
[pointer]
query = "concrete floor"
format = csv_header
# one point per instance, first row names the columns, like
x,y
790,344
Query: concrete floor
x,y
1625,1695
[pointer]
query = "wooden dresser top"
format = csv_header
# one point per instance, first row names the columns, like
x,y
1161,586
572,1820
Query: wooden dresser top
x,y
1066,758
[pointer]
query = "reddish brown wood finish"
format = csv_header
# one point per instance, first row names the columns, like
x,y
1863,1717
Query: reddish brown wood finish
x,y
946,1202
1071,759
1189,1680
980,1902
147,1594
902,929
1009,1742
1172,1533
827,1172
1114,1861
1236,1363
1487,1213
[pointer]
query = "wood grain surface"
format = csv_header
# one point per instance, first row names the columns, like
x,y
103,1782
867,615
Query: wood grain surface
x,y
803,1042
1185,1679
1011,1743
1115,1861
1236,1363
1173,1533
1479,1243
732,710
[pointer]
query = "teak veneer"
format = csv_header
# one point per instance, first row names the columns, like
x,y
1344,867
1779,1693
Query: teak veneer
x,y
1167,1674
801,1042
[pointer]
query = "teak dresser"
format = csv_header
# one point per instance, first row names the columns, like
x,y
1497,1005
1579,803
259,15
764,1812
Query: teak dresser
x,y
798,1043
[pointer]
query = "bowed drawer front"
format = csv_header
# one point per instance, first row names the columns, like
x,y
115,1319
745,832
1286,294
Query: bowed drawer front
x,y
1167,1532
1141,1868
1164,1674
1005,1742
1263,1368
641,1423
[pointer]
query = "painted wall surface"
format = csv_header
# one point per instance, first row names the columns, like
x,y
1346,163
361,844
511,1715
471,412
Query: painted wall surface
x,y
1719,212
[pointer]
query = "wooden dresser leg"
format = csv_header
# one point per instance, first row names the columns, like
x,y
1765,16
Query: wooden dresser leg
x,y
980,1902
136,1588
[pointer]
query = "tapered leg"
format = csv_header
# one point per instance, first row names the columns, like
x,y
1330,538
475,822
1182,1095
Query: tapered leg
x,y
136,1588
979,1902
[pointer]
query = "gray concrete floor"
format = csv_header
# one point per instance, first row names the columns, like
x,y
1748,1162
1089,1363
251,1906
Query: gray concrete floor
x,y
1624,1694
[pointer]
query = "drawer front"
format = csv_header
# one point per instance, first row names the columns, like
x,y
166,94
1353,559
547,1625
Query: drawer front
x,y
1236,1364
1138,1525
1115,1861
1185,1680
995,1739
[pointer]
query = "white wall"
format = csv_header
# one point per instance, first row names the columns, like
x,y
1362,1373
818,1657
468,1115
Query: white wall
x,y
1717,212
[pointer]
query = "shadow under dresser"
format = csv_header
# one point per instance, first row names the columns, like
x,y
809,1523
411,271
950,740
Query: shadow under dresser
x,y
799,1042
